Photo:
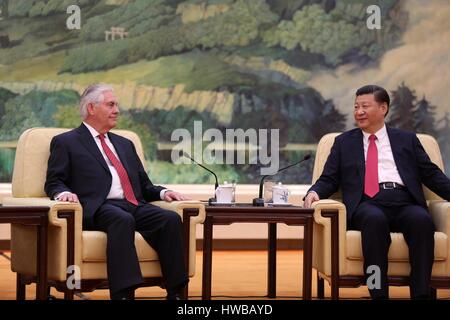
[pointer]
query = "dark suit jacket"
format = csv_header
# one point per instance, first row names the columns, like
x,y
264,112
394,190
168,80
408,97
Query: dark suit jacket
x,y
77,165
345,168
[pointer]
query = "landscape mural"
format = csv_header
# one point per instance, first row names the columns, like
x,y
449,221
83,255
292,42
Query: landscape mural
x,y
248,64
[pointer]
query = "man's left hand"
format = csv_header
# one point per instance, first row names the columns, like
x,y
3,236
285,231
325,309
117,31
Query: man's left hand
x,y
170,196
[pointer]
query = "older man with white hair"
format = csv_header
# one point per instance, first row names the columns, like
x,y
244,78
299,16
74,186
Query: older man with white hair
x,y
103,172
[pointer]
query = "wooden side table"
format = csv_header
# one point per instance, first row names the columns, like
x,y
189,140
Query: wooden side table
x,y
32,216
226,215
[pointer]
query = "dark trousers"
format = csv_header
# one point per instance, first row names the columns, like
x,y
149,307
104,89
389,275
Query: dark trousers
x,y
162,229
396,211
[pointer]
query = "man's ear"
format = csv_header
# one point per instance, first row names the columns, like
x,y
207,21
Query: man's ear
x,y
385,108
90,108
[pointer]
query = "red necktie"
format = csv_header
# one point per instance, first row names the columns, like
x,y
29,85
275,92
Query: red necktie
x,y
123,175
371,186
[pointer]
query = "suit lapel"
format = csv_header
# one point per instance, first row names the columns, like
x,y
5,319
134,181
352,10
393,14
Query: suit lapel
x,y
88,141
359,153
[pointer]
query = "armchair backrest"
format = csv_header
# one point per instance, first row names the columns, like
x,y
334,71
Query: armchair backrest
x,y
32,153
326,142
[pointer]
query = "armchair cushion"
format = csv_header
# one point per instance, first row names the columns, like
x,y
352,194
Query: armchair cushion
x,y
94,244
398,250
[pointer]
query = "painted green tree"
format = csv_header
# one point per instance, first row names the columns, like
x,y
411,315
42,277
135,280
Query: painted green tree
x,y
424,117
315,31
34,109
403,105
443,135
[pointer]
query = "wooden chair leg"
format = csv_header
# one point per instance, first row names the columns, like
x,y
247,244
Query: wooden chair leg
x,y
335,289
68,295
20,288
320,287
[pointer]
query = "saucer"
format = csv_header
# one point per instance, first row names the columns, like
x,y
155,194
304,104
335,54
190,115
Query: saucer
x,y
280,204
222,204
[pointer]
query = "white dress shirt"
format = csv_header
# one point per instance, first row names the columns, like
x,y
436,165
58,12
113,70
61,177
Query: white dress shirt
x,y
387,170
116,191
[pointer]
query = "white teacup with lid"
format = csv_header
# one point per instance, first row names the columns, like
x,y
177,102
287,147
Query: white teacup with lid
x,y
225,193
280,194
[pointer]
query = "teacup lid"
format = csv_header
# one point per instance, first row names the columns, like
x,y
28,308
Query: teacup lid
x,y
225,186
279,185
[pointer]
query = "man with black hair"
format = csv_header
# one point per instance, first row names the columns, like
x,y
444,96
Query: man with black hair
x,y
380,171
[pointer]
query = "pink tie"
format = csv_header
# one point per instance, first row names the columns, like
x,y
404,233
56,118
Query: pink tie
x,y
371,186
123,175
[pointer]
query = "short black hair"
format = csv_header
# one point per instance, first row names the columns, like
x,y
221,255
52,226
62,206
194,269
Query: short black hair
x,y
380,94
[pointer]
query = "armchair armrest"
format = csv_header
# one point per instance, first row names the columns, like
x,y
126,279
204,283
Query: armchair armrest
x,y
178,207
55,206
440,213
59,237
328,204
323,242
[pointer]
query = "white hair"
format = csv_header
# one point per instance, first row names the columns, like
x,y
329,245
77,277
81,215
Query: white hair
x,y
92,94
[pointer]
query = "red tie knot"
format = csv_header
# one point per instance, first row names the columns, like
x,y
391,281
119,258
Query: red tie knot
x,y
372,137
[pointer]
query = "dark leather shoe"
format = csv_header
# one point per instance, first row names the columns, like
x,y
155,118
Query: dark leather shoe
x,y
176,293
380,298
174,296
126,294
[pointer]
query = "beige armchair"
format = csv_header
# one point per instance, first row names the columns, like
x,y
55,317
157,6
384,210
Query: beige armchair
x,y
338,252
68,244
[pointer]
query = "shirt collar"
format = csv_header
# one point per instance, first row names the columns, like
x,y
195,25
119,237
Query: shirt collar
x,y
380,134
94,132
